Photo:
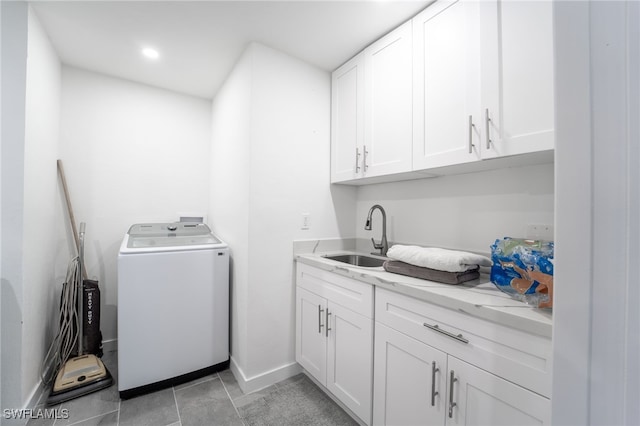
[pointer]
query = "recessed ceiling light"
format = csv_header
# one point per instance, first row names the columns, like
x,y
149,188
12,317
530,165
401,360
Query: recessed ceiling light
x,y
150,53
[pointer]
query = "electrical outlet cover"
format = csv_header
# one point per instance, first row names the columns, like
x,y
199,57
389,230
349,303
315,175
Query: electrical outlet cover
x,y
539,232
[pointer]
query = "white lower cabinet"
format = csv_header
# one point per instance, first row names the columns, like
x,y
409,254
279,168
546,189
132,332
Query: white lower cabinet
x,y
334,335
349,360
430,365
311,342
409,379
477,397
418,380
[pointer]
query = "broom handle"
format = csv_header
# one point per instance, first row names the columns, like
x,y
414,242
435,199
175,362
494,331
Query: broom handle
x,y
70,210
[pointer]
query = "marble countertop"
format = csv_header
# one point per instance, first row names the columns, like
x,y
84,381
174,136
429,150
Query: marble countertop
x,y
479,297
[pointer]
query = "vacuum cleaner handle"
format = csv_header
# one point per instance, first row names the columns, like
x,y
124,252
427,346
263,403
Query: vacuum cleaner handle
x,y
81,247
81,290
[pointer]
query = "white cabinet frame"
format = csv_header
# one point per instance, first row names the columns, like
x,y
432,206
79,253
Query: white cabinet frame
x,y
334,335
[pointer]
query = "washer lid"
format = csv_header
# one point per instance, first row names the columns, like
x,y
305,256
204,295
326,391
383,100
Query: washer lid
x,y
180,234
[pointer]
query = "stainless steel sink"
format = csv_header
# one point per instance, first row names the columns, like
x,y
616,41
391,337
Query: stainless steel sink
x,y
357,260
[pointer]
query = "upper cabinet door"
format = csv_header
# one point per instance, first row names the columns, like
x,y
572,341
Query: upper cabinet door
x,y
517,77
446,111
347,120
463,81
388,104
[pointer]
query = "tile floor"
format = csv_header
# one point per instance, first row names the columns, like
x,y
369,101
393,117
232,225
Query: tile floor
x,y
213,400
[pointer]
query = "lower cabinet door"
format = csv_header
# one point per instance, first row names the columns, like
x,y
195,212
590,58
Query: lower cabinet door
x,y
311,340
409,380
481,398
349,360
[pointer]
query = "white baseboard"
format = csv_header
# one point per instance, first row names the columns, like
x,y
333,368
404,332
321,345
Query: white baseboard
x,y
263,380
110,345
37,395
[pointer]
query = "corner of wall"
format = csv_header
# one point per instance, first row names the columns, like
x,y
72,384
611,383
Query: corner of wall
x,y
263,380
41,236
14,62
282,133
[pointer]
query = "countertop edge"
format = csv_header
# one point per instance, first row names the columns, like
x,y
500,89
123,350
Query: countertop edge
x,y
478,298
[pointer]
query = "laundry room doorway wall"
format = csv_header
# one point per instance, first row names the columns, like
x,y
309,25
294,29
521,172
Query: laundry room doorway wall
x,y
132,154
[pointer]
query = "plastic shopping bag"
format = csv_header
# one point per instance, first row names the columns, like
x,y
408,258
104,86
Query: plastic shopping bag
x,y
524,269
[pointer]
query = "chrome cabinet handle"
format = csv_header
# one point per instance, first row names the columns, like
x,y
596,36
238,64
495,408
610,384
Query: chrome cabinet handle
x,y
364,158
434,370
357,160
471,126
452,380
327,328
487,120
320,325
437,328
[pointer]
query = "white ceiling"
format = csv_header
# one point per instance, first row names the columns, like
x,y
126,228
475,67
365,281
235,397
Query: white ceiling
x,y
200,41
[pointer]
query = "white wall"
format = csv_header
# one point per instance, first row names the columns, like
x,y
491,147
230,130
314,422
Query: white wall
x,y
30,206
132,153
283,167
290,162
230,179
45,253
464,212
1,211
596,343
14,62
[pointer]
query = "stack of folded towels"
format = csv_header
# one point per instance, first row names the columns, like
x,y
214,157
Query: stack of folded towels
x,y
435,264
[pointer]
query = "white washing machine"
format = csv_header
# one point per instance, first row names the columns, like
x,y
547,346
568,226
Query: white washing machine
x,y
173,306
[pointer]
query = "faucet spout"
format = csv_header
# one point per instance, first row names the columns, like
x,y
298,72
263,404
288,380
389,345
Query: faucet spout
x,y
383,246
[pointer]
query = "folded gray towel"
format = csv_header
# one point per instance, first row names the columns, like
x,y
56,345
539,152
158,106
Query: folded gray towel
x,y
398,267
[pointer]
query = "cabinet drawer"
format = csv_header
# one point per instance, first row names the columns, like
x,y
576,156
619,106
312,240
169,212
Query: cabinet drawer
x,y
515,355
346,292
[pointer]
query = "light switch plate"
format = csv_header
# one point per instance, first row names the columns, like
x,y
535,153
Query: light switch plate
x,y
306,221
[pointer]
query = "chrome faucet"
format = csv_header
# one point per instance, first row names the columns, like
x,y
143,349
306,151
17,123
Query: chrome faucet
x,y
383,246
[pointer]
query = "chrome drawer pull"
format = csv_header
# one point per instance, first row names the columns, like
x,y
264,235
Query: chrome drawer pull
x,y
364,158
452,404
328,329
320,325
434,370
486,123
446,333
471,126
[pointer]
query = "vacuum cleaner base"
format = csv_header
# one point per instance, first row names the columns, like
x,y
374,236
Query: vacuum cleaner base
x,y
79,376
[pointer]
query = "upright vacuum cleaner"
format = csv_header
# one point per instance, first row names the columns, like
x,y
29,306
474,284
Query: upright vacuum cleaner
x,y
84,373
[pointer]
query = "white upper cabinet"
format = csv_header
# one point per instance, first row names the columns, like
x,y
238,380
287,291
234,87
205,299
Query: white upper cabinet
x,y
517,76
483,80
371,104
446,75
388,132
463,81
347,120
